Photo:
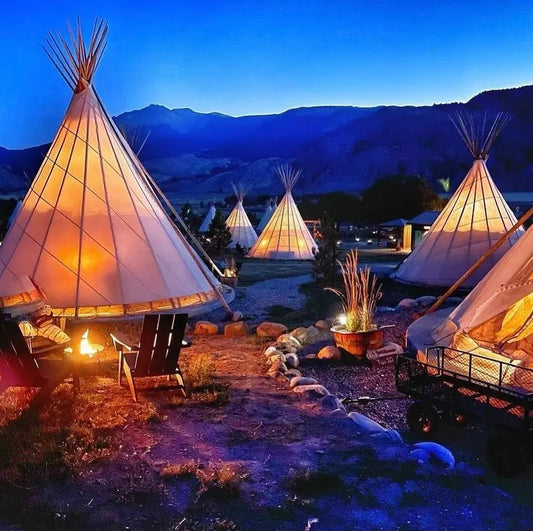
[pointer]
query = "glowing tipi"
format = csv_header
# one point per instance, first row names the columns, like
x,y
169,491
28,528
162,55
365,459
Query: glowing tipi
x,y
265,218
204,227
285,235
239,225
91,232
498,313
475,217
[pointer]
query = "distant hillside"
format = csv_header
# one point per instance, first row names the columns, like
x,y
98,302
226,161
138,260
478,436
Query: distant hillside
x,y
338,148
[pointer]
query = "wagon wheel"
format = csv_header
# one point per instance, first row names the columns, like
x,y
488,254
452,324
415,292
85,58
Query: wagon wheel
x,y
506,455
422,418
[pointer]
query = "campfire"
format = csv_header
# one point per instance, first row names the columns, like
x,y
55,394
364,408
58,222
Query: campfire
x,y
86,349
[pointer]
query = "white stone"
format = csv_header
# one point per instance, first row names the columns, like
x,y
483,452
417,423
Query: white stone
x,y
316,388
365,424
292,360
438,452
302,380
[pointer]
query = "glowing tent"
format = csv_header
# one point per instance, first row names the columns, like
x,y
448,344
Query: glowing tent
x,y
91,233
239,225
285,235
475,217
266,216
204,227
498,313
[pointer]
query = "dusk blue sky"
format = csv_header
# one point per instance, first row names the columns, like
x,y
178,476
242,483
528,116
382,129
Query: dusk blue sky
x,y
256,57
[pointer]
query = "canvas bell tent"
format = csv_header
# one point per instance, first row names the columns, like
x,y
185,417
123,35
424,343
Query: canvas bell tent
x,y
474,218
265,218
204,227
91,233
238,223
285,235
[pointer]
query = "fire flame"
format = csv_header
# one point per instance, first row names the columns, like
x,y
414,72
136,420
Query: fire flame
x,y
85,347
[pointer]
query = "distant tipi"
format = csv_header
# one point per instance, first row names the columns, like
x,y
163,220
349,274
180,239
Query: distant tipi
x,y
204,227
238,223
91,233
265,218
285,235
473,220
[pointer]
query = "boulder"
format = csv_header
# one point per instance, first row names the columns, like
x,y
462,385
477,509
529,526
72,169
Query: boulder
x,y
365,424
332,402
330,353
426,300
292,360
425,451
278,365
268,329
322,325
314,389
300,334
407,303
238,329
205,328
301,380
270,351
389,436
311,356
280,356
289,341
338,413
312,334
293,373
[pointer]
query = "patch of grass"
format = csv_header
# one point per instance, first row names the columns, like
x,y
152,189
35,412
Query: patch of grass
x,y
220,482
315,483
183,470
254,270
278,311
200,371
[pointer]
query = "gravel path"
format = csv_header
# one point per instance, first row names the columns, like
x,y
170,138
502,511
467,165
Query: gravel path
x,y
254,301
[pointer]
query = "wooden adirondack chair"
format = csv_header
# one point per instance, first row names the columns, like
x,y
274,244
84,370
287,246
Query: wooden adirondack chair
x,y
20,368
157,352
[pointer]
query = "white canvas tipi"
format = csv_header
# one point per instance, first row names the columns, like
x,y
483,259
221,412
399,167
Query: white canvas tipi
x,y
475,217
265,218
91,233
285,235
498,313
204,227
239,225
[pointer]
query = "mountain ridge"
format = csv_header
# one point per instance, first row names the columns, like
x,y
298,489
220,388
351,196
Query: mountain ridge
x,y
338,147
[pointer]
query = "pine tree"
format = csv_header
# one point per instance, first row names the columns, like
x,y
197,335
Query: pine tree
x,y
218,236
325,264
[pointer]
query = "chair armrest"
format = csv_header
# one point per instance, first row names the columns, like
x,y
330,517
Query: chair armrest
x,y
121,341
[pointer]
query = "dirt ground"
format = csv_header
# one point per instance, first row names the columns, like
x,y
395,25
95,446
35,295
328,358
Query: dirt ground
x,y
242,452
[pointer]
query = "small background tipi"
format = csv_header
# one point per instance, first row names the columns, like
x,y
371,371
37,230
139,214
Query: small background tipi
x,y
91,232
285,235
473,220
265,218
238,223
204,227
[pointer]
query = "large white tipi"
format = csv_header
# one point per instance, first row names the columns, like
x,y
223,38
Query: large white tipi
x,y
204,227
475,217
285,235
91,233
238,223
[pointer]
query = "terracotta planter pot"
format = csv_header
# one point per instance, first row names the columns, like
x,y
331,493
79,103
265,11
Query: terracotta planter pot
x,y
357,343
229,281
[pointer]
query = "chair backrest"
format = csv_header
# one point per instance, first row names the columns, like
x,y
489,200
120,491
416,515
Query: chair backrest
x,y
18,367
160,344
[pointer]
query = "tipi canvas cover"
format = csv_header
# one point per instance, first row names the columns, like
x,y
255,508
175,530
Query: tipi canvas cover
x,y
475,218
285,235
238,223
91,233
204,227
265,218
498,313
